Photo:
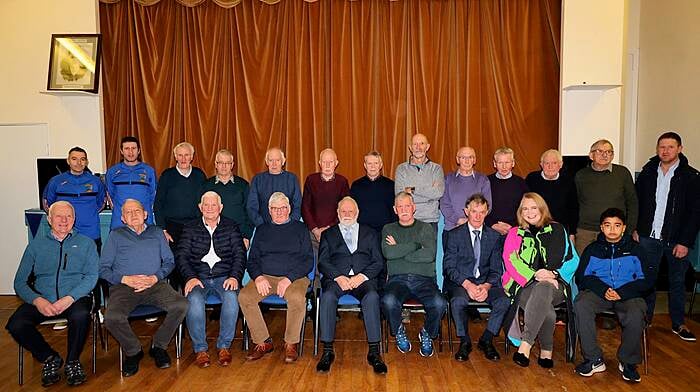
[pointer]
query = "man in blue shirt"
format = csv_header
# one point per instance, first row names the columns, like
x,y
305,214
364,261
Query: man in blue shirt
x,y
130,179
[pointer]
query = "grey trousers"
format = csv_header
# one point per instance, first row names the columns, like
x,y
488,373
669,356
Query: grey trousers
x,y
631,314
538,301
123,300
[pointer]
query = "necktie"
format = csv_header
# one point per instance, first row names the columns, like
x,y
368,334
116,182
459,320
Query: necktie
x,y
347,236
477,252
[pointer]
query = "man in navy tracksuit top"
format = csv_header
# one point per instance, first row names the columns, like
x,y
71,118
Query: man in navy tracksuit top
x,y
83,190
614,274
130,179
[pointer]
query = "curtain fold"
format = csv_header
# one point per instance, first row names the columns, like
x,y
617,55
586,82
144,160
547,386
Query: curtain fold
x,y
351,75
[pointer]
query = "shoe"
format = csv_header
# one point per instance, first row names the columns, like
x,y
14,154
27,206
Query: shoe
x,y
49,372
402,342
259,350
160,356
290,352
75,374
463,353
405,316
546,363
202,360
629,372
324,365
375,360
151,319
426,343
684,333
489,350
60,326
130,365
224,355
521,360
588,368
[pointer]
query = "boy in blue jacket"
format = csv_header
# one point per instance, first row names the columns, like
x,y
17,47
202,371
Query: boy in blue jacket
x,y
613,274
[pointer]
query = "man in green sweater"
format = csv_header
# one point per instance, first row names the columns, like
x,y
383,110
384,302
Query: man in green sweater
x,y
409,247
600,186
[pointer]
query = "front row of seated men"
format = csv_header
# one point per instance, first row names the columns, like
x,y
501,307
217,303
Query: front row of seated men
x,y
613,275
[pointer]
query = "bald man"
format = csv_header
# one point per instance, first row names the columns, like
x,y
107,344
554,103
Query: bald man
x,y
423,179
275,179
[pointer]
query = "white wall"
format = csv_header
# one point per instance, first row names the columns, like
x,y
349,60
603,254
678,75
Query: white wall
x,y
669,76
34,124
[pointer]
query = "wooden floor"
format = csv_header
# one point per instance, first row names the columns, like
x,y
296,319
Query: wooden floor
x,y
674,365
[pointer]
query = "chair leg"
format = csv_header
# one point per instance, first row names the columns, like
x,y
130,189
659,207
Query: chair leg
x,y
692,298
386,336
440,335
246,336
645,348
20,364
316,324
121,359
95,321
301,340
449,327
178,342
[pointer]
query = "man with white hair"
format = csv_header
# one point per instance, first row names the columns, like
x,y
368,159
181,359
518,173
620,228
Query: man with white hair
x,y
275,179
63,264
350,260
211,259
279,261
507,189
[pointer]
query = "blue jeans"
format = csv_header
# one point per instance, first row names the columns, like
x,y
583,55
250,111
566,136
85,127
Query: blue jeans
x,y
402,287
196,314
677,268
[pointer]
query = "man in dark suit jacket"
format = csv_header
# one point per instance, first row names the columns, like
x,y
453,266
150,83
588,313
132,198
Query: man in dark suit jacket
x,y
350,260
466,279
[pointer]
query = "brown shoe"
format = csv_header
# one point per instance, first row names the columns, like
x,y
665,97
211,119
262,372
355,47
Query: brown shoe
x,y
290,352
224,357
202,359
259,350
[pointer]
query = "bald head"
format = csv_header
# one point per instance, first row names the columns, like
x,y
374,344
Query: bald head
x,y
419,148
466,159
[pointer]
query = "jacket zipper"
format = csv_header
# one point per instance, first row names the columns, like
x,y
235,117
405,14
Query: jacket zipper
x,y
612,260
58,269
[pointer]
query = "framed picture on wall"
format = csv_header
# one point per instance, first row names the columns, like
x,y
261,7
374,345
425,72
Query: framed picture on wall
x,y
74,62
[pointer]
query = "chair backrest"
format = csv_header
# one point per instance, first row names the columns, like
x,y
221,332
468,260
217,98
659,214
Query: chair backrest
x,y
694,255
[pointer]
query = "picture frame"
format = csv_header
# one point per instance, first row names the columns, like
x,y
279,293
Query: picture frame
x,y
74,62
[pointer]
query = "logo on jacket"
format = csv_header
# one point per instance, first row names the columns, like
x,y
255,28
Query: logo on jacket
x,y
142,177
88,187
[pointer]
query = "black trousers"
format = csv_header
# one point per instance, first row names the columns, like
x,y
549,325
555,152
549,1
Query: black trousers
x,y
22,326
366,293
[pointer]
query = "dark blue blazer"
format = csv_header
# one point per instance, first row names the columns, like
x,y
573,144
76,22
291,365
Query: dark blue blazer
x,y
458,262
335,259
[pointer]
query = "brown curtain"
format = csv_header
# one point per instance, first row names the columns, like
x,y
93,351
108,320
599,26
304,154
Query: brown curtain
x,y
351,75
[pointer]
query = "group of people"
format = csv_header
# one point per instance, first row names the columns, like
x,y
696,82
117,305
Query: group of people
x,y
509,242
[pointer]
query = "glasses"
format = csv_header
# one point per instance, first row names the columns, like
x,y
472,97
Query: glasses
x,y
279,209
224,163
603,152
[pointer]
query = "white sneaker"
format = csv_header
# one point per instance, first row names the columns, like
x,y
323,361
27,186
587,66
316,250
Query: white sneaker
x,y
151,319
60,326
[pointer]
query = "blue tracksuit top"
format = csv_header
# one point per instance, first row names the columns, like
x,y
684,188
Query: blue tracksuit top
x,y
130,182
85,192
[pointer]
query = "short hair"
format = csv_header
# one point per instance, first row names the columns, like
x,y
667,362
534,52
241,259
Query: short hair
x,y
503,151
669,135
58,204
326,150
133,201
210,194
546,216
373,153
278,196
350,200
613,212
225,152
554,152
477,198
129,139
600,142
77,149
403,195
269,150
183,144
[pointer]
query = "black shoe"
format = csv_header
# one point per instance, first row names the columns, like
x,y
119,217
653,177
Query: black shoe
x,y
629,372
489,350
463,353
546,363
130,365
75,374
684,333
49,373
375,360
326,361
521,360
160,356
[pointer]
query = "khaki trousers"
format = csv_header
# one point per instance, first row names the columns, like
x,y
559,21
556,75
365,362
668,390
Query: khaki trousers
x,y
295,296
584,238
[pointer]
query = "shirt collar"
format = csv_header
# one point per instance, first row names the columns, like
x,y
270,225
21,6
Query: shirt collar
x,y
326,180
353,226
218,220
458,174
672,169
607,168
549,179
182,172
500,177
218,180
472,228
145,226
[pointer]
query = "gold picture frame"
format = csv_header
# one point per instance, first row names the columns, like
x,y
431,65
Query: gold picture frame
x,y
74,62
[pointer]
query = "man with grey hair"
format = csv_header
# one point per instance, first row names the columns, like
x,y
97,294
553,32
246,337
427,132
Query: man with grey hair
x,y
423,179
506,191
135,261
63,264
600,186
557,188
279,261
211,259
374,194
275,179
